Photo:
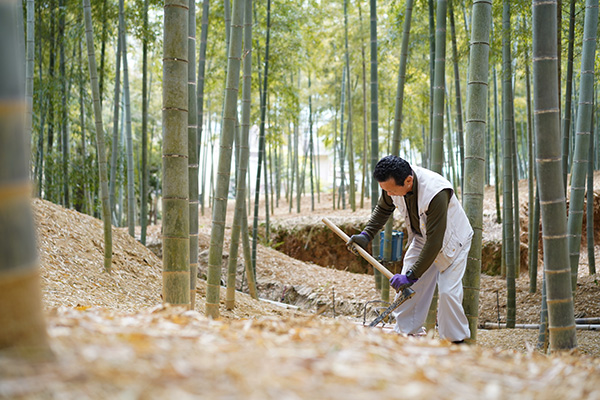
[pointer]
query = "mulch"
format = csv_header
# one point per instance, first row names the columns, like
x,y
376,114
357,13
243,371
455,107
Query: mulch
x,y
113,338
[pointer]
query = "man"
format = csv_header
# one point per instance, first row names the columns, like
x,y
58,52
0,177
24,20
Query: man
x,y
439,238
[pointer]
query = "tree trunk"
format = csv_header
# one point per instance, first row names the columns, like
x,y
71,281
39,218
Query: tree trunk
x,y
238,226
474,172
129,139
201,74
87,206
365,155
175,186
220,202
532,227
103,48
397,133
549,171
114,159
63,112
42,102
428,143
507,149
533,244
437,132
350,147
261,142
497,185
145,173
590,208
516,208
582,137
436,160
374,124
29,67
49,173
341,144
193,152
566,123
459,119
22,325
310,145
102,170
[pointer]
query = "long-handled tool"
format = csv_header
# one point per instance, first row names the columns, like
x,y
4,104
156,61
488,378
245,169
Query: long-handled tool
x,y
406,291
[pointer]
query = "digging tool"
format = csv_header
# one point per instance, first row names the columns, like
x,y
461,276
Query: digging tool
x,y
406,291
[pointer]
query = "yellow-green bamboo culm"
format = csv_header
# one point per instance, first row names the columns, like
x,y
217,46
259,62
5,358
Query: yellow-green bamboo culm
x,y
474,174
176,241
582,137
193,153
240,200
215,251
22,325
102,162
550,177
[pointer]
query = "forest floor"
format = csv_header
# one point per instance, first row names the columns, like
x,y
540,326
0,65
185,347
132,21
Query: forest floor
x,y
113,338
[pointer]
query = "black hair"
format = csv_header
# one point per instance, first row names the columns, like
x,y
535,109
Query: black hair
x,y
392,167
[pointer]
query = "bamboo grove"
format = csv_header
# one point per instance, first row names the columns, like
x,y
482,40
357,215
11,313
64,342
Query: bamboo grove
x,y
185,105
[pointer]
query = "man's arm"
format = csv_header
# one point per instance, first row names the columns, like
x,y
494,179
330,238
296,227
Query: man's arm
x,y
436,228
381,213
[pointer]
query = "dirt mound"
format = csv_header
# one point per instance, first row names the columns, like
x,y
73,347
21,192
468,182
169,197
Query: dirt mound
x,y
71,247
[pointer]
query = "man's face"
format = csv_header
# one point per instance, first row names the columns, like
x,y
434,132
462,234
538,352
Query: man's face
x,y
394,189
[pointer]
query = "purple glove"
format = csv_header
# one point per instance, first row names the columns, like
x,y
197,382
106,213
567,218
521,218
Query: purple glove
x,y
397,281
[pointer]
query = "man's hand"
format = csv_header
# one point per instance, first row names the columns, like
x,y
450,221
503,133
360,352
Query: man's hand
x,y
397,281
362,239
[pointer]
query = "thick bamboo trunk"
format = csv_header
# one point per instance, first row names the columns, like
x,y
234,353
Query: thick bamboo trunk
x,y
549,171
474,172
175,202
22,325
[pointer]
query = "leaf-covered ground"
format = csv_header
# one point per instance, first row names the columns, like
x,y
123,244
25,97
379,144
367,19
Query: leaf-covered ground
x,y
112,338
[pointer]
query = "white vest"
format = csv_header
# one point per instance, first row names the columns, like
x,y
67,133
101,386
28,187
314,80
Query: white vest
x,y
458,229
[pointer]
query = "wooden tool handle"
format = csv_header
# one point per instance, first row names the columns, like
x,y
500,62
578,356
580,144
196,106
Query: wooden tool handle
x,y
365,254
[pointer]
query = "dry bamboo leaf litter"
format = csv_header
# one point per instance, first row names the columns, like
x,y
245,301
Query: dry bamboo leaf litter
x,y
117,342
166,352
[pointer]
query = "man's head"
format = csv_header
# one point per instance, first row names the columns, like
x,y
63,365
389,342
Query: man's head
x,y
394,175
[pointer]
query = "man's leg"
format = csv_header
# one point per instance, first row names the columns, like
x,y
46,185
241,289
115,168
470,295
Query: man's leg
x,y
452,321
411,315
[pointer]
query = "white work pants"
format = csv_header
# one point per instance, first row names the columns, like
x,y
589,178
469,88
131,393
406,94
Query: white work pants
x,y
452,322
